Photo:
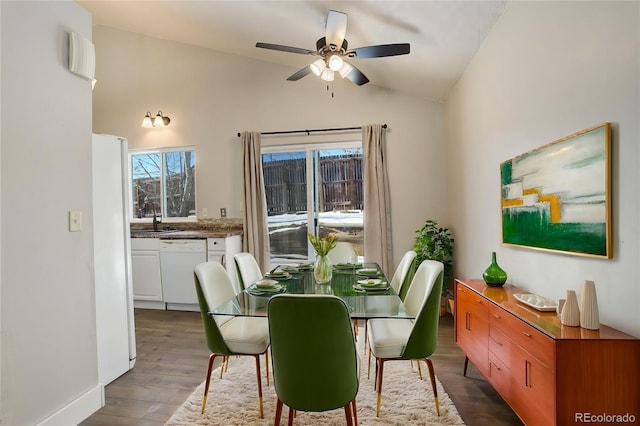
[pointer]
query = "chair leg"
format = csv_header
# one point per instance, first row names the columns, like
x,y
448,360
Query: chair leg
x,y
419,369
466,363
355,412
432,376
212,358
292,414
369,365
266,363
259,385
276,422
225,360
348,414
379,377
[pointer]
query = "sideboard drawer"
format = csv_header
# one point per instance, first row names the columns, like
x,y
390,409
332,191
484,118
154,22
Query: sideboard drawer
x,y
531,340
500,345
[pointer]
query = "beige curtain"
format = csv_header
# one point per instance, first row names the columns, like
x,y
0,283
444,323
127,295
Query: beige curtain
x,y
254,205
377,219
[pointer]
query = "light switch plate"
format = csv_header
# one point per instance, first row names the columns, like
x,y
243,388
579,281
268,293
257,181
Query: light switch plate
x,y
223,212
75,221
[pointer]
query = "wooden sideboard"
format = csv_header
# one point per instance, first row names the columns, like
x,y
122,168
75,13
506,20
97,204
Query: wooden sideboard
x,y
550,374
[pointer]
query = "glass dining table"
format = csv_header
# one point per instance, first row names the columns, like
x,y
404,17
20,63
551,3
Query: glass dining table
x,y
362,290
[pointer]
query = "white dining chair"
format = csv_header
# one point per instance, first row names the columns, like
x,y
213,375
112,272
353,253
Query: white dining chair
x,y
237,336
400,275
343,252
247,268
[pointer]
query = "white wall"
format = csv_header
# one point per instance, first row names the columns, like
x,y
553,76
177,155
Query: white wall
x,y
547,70
211,96
47,315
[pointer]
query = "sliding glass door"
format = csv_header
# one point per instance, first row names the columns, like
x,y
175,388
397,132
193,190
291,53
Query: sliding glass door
x,y
312,189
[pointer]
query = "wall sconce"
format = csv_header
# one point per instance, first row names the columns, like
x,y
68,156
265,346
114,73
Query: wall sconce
x,y
159,120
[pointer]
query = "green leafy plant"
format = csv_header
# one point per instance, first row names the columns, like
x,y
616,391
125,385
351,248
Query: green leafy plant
x,y
436,243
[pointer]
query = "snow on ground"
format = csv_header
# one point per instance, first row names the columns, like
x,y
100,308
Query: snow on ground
x,y
335,219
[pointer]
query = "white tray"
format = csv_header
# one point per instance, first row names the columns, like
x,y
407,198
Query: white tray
x,y
537,302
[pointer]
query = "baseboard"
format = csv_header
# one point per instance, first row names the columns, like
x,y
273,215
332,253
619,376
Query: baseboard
x,y
78,410
149,304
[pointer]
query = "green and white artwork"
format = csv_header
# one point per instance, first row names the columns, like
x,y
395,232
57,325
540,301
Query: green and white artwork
x,y
556,197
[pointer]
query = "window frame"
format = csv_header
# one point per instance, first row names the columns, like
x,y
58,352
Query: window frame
x,y
309,148
161,151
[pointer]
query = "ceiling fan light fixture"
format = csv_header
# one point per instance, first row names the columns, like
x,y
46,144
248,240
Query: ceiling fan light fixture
x,y
335,62
327,74
318,67
345,69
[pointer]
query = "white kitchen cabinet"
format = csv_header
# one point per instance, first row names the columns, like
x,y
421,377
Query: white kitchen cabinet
x,y
222,250
145,271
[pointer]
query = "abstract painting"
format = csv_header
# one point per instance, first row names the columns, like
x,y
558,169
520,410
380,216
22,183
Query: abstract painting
x,y
557,197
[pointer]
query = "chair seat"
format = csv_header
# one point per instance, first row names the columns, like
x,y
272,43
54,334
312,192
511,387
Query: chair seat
x,y
388,337
246,335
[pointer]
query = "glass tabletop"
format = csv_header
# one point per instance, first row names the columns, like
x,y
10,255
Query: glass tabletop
x,y
347,283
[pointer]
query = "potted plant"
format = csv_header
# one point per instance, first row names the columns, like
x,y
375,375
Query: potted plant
x,y
436,243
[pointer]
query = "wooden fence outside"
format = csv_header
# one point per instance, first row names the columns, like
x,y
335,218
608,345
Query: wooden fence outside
x,y
341,179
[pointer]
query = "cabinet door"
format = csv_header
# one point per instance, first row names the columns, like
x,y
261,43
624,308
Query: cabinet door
x,y
145,271
472,327
532,389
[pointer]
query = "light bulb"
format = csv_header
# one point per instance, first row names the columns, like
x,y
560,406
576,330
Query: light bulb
x,y
318,66
335,62
158,121
345,70
146,121
327,75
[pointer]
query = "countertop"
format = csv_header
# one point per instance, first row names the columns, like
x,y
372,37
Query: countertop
x,y
187,234
189,230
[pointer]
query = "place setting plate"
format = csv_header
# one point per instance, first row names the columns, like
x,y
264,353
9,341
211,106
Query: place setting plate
x,y
371,285
266,287
368,272
278,275
347,266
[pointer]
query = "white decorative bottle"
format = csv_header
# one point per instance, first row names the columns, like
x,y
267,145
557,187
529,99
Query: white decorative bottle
x,y
589,317
570,311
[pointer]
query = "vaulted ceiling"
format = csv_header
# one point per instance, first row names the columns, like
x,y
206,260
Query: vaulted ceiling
x,y
444,35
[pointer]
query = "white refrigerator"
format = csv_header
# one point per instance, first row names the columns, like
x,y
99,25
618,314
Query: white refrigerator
x,y
115,328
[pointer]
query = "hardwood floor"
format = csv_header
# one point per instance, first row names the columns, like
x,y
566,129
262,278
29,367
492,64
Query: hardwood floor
x,y
172,358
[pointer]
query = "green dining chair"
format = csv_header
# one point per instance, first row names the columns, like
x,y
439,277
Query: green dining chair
x,y
228,336
247,268
313,352
343,252
392,339
399,279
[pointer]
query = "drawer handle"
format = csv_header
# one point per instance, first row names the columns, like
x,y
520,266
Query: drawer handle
x,y
478,301
496,342
526,334
497,316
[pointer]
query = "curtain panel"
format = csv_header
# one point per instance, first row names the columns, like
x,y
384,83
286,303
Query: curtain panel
x,y
377,212
255,238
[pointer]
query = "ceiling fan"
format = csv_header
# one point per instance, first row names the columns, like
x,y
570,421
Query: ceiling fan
x,y
333,49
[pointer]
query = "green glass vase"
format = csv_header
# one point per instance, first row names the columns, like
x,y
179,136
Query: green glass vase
x,y
494,275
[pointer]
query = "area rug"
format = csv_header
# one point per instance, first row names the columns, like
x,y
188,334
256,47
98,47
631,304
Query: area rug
x,y
233,400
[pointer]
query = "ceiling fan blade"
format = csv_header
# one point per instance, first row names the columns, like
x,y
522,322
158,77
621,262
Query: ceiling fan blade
x,y
336,28
286,48
356,76
299,74
380,50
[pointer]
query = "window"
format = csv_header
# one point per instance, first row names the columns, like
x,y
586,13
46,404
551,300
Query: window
x,y
163,183
312,184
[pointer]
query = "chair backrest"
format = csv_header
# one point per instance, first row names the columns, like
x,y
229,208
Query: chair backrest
x,y
314,356
247,268
399,276
343,252
423,301
213,288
